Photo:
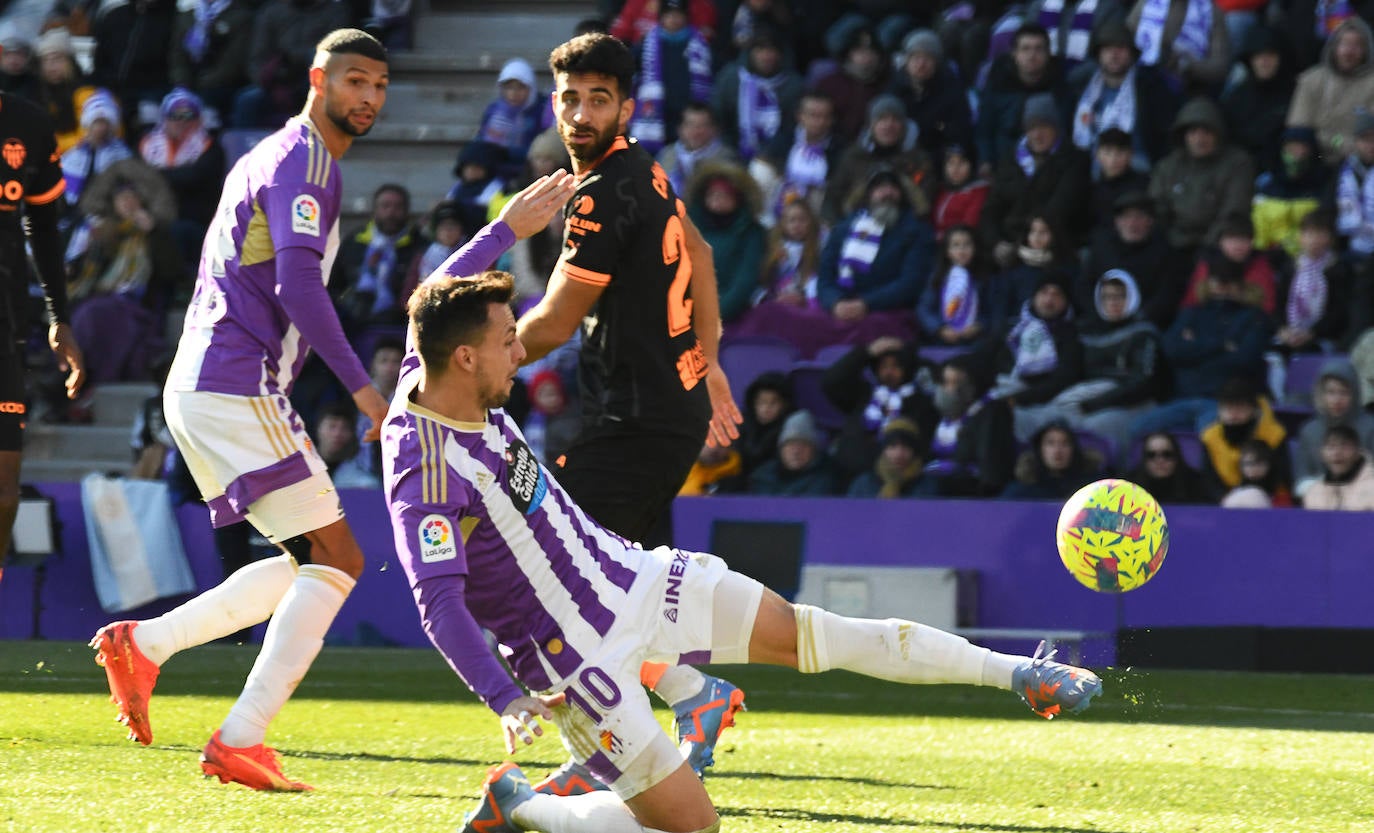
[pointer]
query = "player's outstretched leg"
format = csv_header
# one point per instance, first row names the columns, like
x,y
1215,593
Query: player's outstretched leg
x,y
133,652
703,707
908,652
572,778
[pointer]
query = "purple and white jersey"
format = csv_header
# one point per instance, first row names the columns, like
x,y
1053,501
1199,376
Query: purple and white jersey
x,y
238,339
471,499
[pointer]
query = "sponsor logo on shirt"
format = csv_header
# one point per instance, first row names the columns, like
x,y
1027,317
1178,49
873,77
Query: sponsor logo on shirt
x,y
436,540
525,480
672,596
305,215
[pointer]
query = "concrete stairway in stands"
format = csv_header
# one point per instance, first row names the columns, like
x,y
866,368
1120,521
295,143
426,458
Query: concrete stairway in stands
x,y
70,452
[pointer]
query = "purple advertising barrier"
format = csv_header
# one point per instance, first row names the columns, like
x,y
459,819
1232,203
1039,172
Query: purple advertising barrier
x,y
1275,568
379,609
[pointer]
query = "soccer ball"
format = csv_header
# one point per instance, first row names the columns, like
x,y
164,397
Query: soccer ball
x,y
1112,536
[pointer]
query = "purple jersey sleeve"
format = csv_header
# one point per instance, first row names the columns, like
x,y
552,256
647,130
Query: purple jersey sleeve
x,y
302,203
479,253
300,289
427,517
449,625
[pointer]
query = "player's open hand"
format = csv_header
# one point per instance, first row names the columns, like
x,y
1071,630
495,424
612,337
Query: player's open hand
x,y
372,405
520,720
724,415
529,211
69,358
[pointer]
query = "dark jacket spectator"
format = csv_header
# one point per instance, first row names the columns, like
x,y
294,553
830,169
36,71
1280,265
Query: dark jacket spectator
x,y
675,68
1256,107
1037,354
1164,473
132,41
62,89
768,401
371,266
1203,181
1113,176
888,143
803,161
1027,70
1289,189
1072,23
284,36
1316,292
802,468
1136,244
1197,53
1054,467
862,76
1101,93
957,306
934,97
756,97
1121,350
1217,340
1042,175
868,406
17,76
187,156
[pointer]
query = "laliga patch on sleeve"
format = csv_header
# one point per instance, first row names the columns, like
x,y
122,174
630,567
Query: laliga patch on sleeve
x,y
305,215
437,542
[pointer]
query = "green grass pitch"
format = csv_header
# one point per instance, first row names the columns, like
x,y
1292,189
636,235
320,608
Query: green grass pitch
x,y
392,742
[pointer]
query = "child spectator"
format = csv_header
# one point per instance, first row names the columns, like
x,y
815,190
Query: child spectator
x,y
551,423
1261,484
514,118
768,401
336,440
962,195
1347,482
1164,473
448,232
900,467
1355,189
99,147
971,448
794,254
1315,298
674,69
956,306
1289,190
1042,251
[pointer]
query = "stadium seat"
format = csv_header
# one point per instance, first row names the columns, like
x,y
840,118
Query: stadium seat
x,y
1303,370
806,386
745,359
1103,447
238,141
939,355
1190,445
828,355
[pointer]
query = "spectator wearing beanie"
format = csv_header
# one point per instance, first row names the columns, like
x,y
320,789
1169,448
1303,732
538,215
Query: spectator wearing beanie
x,y
890,143
802,468
934,97
1043,175
190,159
755,98
900,465
1029,69
62,89
861,77
100,145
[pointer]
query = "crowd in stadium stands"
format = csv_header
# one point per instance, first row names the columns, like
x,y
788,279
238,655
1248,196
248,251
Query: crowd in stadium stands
x,y
969,249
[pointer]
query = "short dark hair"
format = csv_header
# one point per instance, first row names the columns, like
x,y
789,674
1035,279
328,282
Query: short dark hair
x,y
1114,137
1319,219
1030,28
599,53
338,408
352,42
449,311
1237,391
394,187
388,343
699,107
1342,432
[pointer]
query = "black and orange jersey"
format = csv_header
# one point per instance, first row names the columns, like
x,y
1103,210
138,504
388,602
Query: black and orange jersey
x,y
641,364
31,185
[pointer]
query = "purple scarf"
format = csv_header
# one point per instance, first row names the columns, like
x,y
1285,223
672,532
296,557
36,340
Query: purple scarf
x,y
198,36
1074,49
859,249
648,125
1307,297
1026,159
760,112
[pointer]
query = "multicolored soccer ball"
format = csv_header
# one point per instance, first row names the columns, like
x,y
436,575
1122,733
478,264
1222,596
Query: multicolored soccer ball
x,y
1112,536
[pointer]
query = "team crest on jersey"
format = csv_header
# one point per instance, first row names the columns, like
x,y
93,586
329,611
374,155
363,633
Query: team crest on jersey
x,y
15,152
437,542
305,215
611,743
525,480
583,204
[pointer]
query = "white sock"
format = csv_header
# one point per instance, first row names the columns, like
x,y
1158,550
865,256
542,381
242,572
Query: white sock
x,y
244,599
293,639
596,812
894,649
678,683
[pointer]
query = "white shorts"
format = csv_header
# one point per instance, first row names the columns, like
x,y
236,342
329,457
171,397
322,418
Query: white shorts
x,y
251,458
698,611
